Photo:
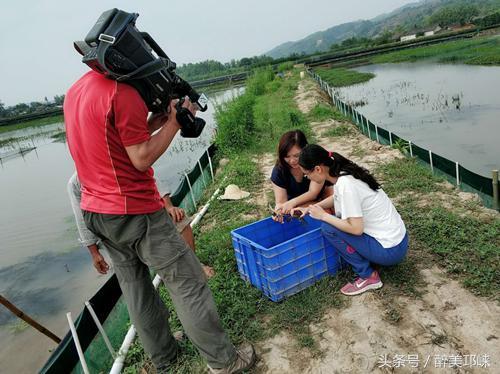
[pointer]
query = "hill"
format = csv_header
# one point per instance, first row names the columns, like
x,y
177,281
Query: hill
x,y
407,19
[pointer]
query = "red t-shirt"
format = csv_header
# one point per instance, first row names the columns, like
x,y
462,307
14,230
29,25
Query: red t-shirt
x,y
102,117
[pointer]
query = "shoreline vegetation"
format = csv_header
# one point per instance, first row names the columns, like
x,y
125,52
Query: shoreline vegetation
x,y
37,122
460,238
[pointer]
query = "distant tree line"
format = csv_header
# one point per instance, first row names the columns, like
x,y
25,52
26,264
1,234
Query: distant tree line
x,y
191,72
211,68
33,107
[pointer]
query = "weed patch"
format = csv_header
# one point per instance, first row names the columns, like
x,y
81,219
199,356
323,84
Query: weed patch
x,y
35,122
461,244
475,51
322,112
341,130
341,77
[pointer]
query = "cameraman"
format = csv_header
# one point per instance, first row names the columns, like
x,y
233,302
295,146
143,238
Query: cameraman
x,y
109,139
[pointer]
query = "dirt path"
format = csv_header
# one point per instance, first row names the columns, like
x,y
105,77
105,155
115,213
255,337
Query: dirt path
x,y
446,323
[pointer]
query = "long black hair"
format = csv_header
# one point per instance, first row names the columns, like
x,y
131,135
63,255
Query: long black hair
x,y
313,155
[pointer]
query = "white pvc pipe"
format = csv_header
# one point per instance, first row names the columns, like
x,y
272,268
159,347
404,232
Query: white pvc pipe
x,y
430,161
202,176
191,191
210,163
122,353
77,343
129,338
202,212
100,328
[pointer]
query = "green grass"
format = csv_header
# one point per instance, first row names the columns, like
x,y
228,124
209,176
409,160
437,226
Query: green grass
x,y
323,112
341,77
341,130
475,51
275,113
463,245
36,122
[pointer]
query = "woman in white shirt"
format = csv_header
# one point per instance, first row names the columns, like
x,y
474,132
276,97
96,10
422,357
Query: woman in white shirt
x,y
366,227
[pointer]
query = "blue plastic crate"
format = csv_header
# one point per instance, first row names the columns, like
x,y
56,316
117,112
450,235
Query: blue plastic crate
x,y
283,259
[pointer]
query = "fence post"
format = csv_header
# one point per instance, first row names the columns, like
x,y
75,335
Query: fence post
x,y
496,204
411,148
376,132
430,161
390,138
210,163
458,175
101,329
76,341
201,175
191,191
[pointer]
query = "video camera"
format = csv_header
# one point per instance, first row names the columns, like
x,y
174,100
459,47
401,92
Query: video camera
x,y
116,48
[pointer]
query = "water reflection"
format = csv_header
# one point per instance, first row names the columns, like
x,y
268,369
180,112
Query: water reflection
x,y
450,109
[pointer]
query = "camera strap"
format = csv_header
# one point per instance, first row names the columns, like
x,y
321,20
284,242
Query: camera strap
x,y
108,38
146,70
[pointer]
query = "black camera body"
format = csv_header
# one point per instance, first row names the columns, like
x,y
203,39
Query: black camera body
x,y
116,48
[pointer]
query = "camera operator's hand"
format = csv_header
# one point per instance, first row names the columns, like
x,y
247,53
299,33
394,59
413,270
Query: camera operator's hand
x,y
172,115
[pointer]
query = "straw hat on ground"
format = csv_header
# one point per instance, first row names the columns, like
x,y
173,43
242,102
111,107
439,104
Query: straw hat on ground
x,y
233,192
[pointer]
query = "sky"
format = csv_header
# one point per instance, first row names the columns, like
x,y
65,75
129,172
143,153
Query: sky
x,y
37,58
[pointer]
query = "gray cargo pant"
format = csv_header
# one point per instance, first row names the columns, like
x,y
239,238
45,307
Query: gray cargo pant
x,y
136,242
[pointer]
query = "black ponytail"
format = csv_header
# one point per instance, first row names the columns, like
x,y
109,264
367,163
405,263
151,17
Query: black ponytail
x,y
313,155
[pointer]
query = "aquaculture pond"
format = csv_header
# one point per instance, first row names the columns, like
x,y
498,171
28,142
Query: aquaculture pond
x,y
452,110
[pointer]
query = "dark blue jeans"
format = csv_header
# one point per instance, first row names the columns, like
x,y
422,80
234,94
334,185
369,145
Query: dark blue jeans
x,y
360,250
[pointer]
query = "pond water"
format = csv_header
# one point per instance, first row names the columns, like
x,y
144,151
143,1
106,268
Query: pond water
x,y
43,268
452,110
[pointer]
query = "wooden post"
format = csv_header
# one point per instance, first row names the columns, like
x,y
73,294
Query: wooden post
x,y
19,313
496,204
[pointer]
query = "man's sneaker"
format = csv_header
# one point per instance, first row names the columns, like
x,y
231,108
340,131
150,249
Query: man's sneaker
x,y
361,285
245,358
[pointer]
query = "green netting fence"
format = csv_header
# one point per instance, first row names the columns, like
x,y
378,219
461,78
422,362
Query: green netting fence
x,y
486,188
108,304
